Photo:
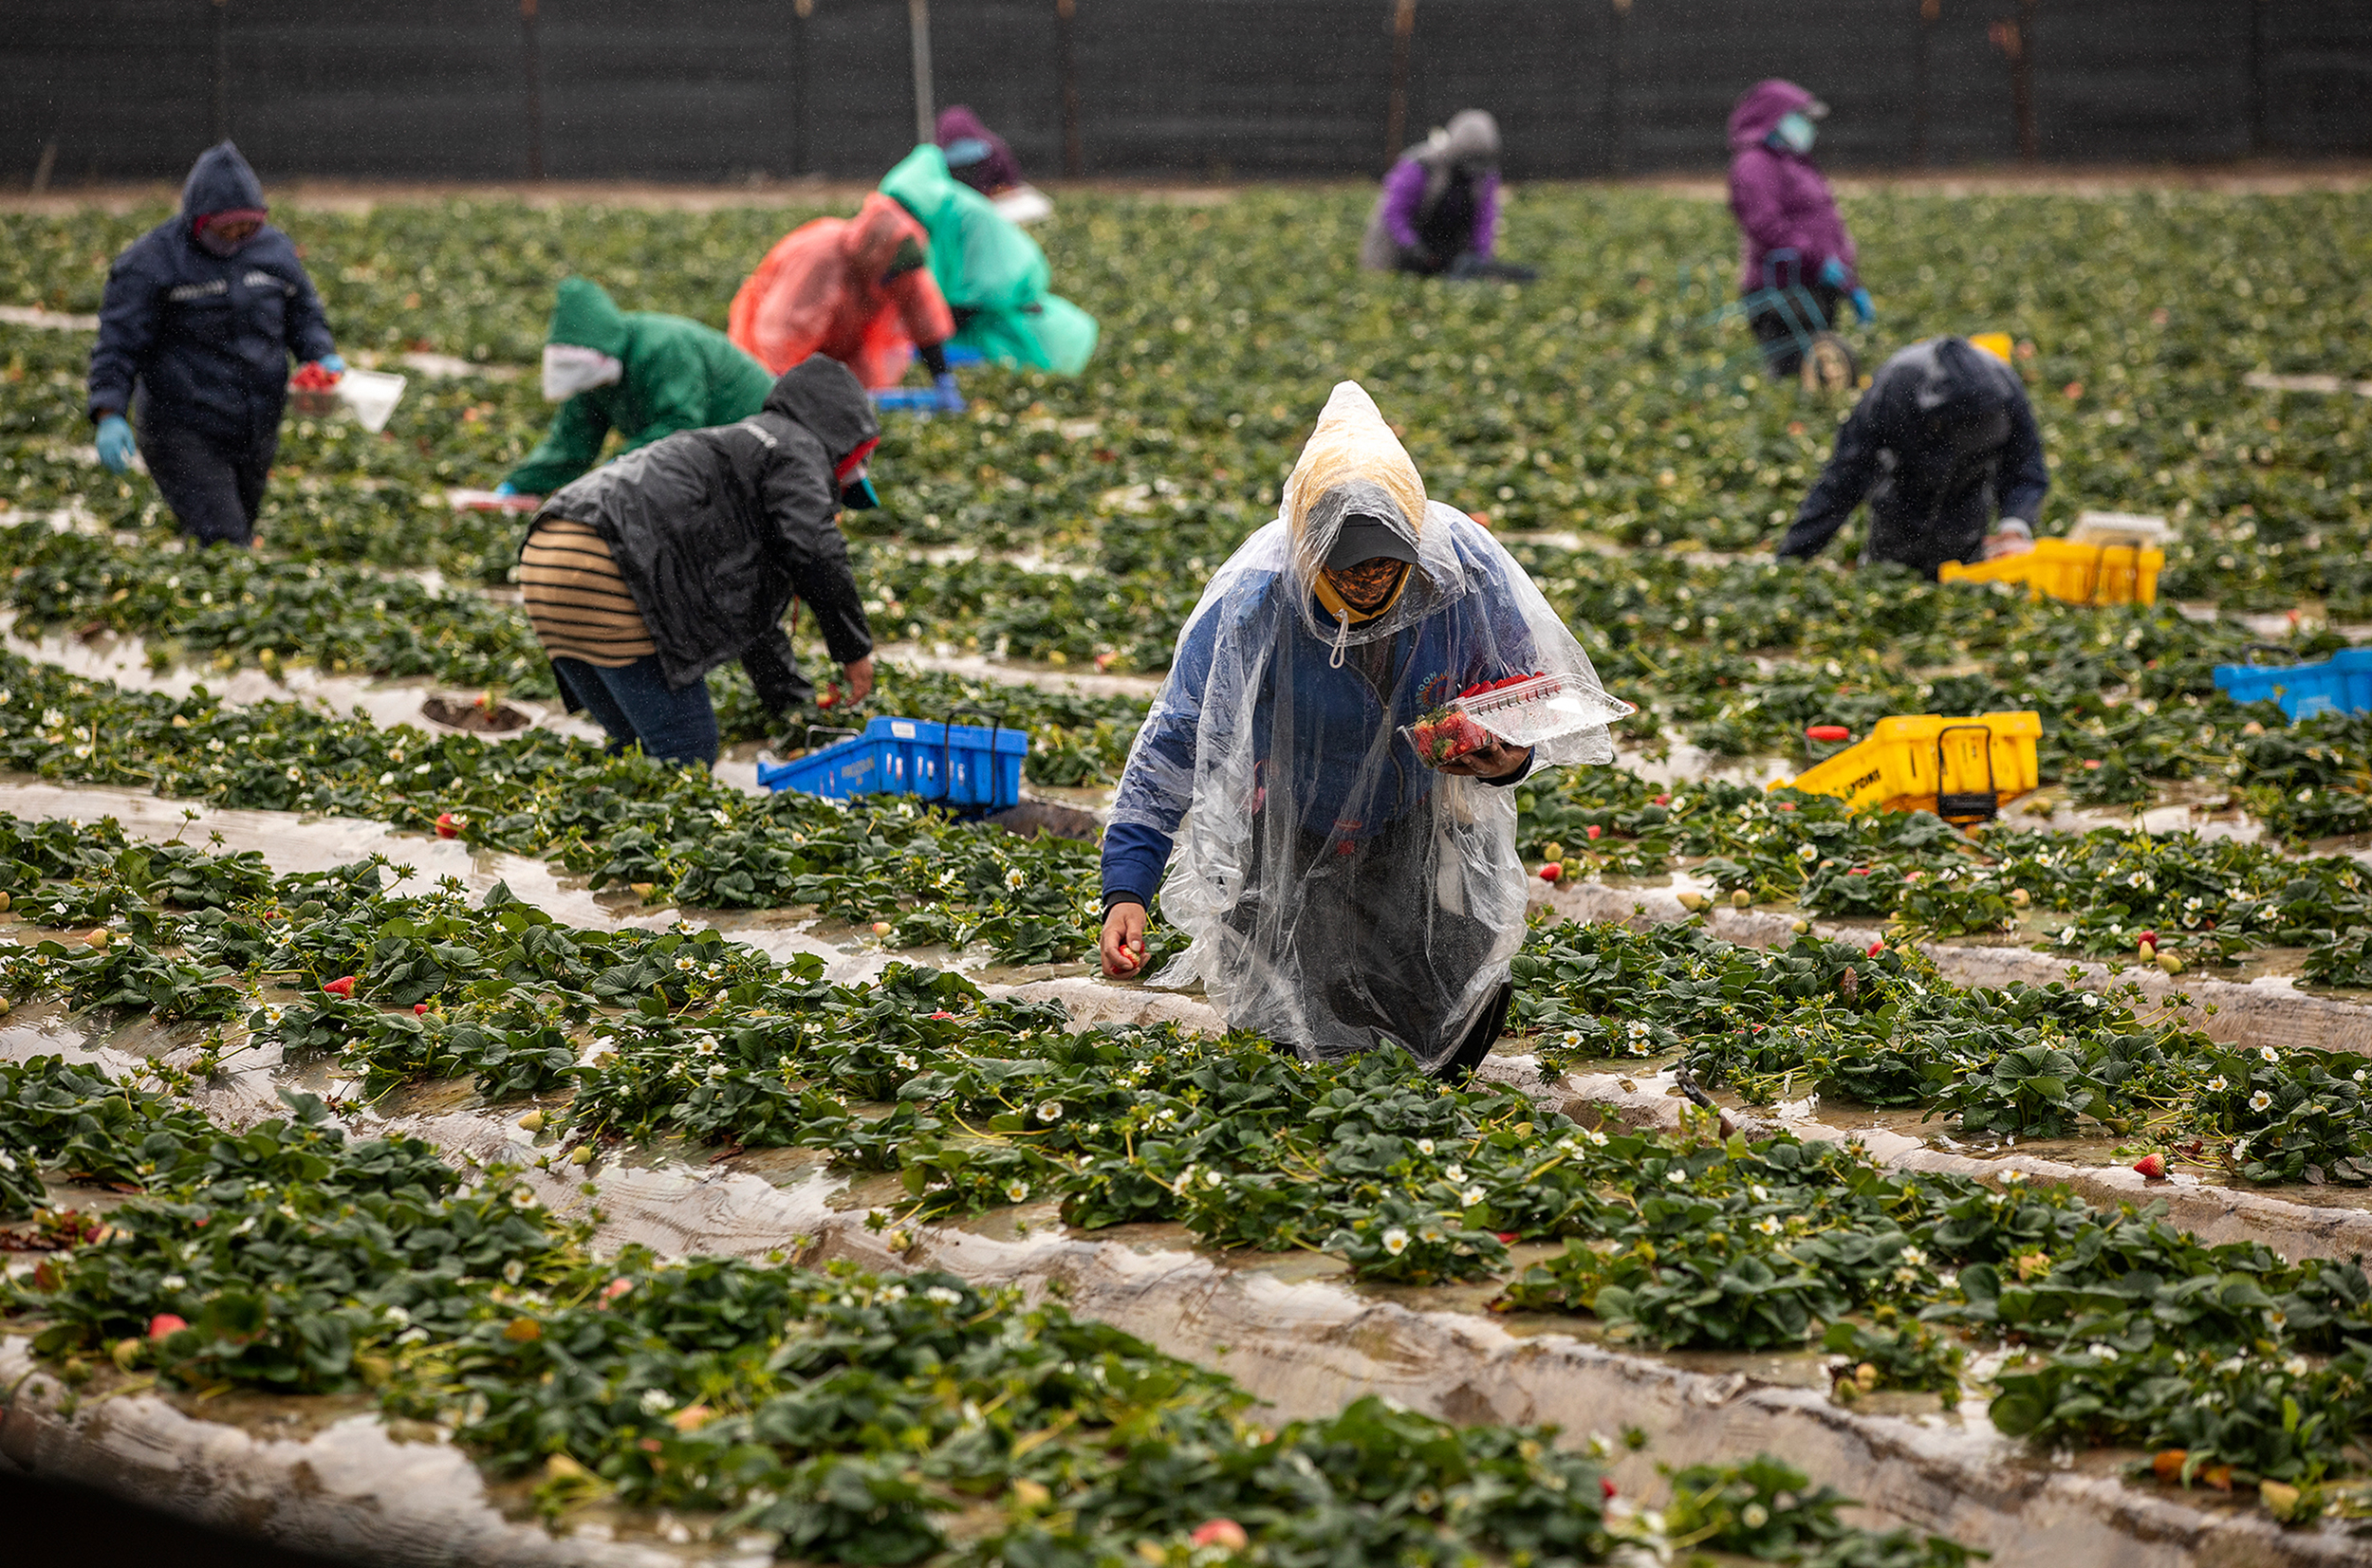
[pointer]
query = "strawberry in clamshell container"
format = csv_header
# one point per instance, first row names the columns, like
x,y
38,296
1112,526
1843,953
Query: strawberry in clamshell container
x,y
1521,710
313,391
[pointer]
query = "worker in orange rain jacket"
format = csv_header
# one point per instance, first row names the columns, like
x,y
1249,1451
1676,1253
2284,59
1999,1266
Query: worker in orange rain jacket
x,y
858,290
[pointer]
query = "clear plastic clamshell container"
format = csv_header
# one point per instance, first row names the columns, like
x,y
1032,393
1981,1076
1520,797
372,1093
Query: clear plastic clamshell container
x,y
1545,707
1524,713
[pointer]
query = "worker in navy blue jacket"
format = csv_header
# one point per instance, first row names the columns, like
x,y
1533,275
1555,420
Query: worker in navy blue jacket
x,y
201,315
1942,444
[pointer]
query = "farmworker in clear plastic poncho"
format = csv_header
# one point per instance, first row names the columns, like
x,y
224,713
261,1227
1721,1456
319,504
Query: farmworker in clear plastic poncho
x,y
994,276
1942,444
638,373
1340,891
1784,205
646,574
200,319
858,289
1439,212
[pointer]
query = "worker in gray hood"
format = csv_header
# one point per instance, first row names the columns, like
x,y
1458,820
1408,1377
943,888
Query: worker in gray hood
x,y
1942,444
200,319
1438,211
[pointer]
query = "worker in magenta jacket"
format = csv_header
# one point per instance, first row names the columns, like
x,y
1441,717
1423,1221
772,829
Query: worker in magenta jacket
x,y
1783,204
1439,212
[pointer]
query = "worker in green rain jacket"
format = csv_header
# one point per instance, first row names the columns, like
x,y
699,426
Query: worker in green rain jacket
x,y
639,373
994,276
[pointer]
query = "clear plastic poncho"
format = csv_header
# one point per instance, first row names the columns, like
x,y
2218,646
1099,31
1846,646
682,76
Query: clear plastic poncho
x,y
1339,893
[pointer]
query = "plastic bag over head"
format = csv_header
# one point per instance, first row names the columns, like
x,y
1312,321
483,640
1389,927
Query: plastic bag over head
x,y
1340,895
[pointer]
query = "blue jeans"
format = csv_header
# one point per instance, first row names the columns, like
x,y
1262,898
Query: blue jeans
x,y
634,705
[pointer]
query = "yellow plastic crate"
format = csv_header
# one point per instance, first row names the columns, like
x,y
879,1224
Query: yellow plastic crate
x,y
1926,761
2080,574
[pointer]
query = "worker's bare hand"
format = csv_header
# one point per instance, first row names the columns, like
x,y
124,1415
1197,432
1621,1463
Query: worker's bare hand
x,y
1494,760
859,674
1124,941
2007,542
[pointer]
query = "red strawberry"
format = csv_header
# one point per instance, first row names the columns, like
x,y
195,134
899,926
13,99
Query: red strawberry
x,y
418,1007
2149,936
1222,1531
164,1323
1877,948
2152,1166
1553,871
449,826
1663,800
1592,830
343,986
1605,1485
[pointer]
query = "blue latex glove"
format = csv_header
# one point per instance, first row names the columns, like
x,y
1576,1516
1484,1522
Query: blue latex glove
x,y
1832,272
951,400
505,488
1862,307
115,443
332,364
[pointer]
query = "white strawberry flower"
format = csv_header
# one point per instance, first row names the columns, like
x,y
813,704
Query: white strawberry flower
x,y
1396,1241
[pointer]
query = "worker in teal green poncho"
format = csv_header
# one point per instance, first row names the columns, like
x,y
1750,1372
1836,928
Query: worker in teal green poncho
x,y
639,373
993,275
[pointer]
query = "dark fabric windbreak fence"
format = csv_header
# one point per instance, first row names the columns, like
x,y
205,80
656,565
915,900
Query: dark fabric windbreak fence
x,y
737,89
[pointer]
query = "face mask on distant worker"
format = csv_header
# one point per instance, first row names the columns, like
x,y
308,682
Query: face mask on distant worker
x,y
1794,132
568,369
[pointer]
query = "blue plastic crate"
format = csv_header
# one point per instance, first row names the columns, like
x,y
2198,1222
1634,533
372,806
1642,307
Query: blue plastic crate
x,y
969,767
2342,683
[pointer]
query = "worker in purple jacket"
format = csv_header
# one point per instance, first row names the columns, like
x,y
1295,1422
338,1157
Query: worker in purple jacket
x,y
1784,205
1438,214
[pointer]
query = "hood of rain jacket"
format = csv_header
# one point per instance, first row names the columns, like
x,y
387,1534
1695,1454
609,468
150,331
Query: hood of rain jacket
x,y
995,172
1760,110
716,530
824,289
207,339
678,375
220,182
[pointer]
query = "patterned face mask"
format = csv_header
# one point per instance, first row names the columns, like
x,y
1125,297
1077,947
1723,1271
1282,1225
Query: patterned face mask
x,y
1368,584
568,369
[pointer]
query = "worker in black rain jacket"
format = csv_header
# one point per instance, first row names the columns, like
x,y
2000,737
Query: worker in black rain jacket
x,y
1942,445
201,315
646,574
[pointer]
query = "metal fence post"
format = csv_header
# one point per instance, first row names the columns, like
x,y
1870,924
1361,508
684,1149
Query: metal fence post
x,y
533,67
2022,84
803,85
1066,18
222,70
919,26
2256,78
1930,11
1619,14
1396,116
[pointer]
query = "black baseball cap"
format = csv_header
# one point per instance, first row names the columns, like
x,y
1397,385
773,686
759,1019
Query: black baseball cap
x,y
1364,538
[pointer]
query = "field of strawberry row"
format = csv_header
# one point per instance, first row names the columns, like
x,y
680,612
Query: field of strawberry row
x,y
843,1417
2122,1330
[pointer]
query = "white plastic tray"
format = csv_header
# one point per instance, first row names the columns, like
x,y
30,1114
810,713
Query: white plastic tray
x,y
371,396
